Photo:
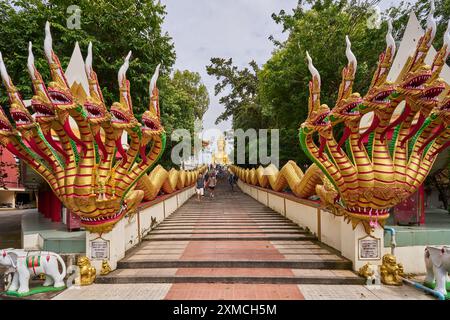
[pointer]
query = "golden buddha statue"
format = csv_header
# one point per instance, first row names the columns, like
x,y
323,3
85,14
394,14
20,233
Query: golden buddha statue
x,y
220,156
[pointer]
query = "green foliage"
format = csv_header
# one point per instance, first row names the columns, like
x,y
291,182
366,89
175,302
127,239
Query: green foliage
x,y
321,31
241,103
183,99
276,96
114,28
191,84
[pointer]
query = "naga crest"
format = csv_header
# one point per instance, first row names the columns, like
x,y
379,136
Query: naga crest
x,y
79,162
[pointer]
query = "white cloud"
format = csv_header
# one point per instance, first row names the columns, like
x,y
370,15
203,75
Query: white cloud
x,y
238,29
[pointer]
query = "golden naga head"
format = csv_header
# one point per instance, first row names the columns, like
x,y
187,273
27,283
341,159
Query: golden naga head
x,y
58,89
317,120
151,119
122,116
377,98
97,113
18,111
6,128
347,105
416,72
435,86
43,108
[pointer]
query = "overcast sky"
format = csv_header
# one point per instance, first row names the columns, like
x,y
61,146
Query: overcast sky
x,y
237,29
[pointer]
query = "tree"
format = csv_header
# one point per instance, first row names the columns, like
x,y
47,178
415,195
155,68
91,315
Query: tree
x,y
241,103
183,98
191,83
320,30
114,27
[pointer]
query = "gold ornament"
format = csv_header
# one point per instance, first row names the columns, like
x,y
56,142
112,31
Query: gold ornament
x,y
391,271
87,271
105,268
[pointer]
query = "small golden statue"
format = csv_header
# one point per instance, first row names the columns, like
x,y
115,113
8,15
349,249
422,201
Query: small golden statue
x,y
366,271
370,272
105,268
391,271
87,271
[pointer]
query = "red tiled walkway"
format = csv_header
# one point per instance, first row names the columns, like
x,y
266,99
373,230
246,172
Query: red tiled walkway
x,y
231,247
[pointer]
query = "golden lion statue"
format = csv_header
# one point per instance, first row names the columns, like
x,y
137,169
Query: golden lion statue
x,y
391,271
87,271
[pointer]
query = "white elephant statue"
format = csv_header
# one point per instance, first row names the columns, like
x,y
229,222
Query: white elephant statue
x,y
27,263
437,262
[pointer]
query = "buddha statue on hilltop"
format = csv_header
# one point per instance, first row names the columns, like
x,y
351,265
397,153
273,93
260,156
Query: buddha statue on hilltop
x,y
220,156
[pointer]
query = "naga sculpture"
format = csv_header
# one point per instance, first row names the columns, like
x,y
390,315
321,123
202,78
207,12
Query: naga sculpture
x,y
82,168
363,181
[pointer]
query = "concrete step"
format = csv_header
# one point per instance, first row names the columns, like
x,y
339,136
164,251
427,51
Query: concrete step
x,y
233,275
229,232
229,237
338,264
227,228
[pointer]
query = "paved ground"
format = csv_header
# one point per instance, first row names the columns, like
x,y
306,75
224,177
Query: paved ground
x,y
232,247
10,228
10,233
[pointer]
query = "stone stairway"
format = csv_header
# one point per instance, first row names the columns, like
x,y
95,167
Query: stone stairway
x,y
231,238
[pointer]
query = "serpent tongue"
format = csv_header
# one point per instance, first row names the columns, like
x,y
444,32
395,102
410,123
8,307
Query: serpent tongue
x,y
49,138
437,151
397,121
35,148
143,155
344,137
433,136
322,142
413,130
101,145
72,136
121,150
373,126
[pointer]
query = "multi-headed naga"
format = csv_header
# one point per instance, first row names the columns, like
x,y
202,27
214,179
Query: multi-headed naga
x,y
363,181
82,169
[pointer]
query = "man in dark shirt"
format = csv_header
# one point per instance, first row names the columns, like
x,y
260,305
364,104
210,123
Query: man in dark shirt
x,y
200,187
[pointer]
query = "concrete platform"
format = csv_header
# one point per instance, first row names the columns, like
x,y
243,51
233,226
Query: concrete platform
x,y
39,232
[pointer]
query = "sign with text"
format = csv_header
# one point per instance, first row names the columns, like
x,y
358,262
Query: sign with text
x,y
369,248
99,249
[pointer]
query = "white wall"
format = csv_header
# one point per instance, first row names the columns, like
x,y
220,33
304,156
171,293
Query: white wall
x,y
125,234
329,229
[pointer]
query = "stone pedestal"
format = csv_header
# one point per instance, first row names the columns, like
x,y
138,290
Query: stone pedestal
x,y
360,248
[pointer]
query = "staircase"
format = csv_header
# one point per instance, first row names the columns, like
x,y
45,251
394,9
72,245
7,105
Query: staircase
x,y
230,239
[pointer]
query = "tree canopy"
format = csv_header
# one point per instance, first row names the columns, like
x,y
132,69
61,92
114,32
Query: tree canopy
x,y
276,95
114,28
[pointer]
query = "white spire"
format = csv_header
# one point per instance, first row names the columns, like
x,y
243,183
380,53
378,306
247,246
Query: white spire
x,y
431,21
30,63
88,63
3,72
312,69
154,79
447,40
48,42
390,42
123,69
350,56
